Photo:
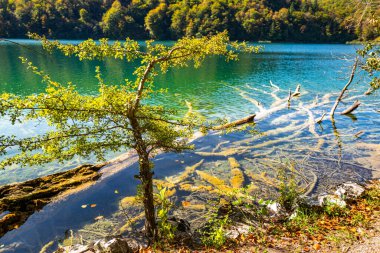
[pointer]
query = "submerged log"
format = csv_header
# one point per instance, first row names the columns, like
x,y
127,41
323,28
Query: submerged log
x,y
239,122
20,200
352,108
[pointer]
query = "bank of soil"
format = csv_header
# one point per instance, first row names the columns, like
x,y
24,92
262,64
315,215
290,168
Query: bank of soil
x,y
20,200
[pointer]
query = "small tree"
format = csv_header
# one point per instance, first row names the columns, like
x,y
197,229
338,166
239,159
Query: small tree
x,y
116,119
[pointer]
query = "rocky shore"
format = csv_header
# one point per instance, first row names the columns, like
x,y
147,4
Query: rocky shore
x,y
20,200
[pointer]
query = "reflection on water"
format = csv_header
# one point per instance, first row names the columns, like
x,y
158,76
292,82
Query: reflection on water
x,y
324,154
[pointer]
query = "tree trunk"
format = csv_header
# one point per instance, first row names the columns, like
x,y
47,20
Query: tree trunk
x,y
146,178
147,186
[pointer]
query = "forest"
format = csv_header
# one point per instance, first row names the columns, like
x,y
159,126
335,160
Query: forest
x,y
253,20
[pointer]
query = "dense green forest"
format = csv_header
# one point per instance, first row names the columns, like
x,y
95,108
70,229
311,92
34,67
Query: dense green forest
x,y
274,20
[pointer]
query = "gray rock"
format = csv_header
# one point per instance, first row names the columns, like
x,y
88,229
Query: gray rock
x,y
115,245
236,230
274,208
328,199
182,227
349,190
76,249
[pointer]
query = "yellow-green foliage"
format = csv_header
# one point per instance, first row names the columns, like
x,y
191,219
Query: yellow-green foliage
x,y
108,111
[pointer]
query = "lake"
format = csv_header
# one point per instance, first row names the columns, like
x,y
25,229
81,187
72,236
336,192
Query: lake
x,y
328,153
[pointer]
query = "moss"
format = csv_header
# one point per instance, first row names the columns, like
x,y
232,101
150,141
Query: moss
x,y
225,153
196,207
233,163
45,248
237,179
130,222
129,201
163,183
194,188
186,174
252,187
214,181
262,177
170,192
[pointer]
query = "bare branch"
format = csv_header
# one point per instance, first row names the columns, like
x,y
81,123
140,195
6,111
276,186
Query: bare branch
x,y
345,88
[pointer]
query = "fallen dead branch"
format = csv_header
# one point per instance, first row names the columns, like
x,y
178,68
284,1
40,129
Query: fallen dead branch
x,y
352,108
344,88
248,119
319,120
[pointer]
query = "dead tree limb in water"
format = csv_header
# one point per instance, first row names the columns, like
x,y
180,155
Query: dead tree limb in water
x,y
239,122
297,92
352,108
319,120
369,91
345,88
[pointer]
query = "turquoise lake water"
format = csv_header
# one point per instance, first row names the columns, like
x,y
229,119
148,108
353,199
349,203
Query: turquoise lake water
x,y
217,89
318,68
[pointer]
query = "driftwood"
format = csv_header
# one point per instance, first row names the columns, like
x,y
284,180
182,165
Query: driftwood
x,y
344,88
239,122
352,108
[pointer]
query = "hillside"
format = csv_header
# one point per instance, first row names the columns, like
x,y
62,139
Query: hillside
x,y
274,20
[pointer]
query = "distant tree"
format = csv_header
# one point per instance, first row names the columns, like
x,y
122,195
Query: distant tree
x,y
116,119
113,21
157,22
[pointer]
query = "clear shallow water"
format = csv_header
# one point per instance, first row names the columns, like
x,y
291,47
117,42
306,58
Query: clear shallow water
x,y
216,89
